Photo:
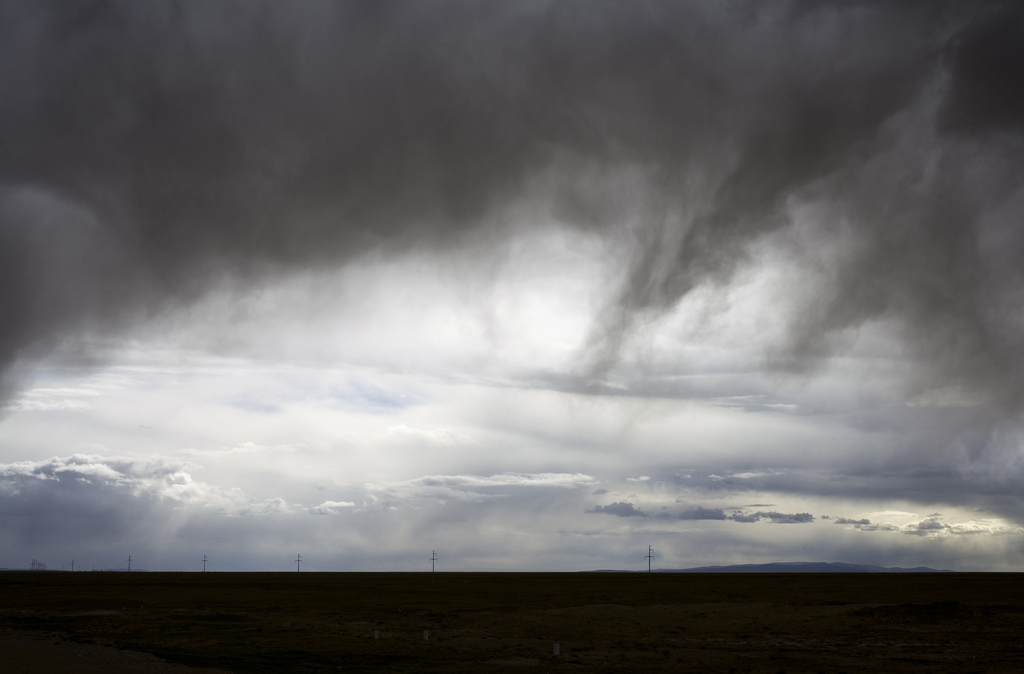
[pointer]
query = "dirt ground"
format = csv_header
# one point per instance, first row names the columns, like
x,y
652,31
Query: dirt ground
x,y
32,653
311,622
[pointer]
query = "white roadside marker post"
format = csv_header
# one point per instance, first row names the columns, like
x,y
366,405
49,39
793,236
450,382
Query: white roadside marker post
x,y
558,650
425,635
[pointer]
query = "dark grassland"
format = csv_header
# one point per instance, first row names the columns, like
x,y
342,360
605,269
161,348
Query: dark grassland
x,y
313,622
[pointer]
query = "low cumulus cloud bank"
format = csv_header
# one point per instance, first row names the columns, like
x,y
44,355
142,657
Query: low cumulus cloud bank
x,y
93,506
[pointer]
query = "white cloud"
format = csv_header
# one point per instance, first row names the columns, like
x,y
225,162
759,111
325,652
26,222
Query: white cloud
x,y
60,399
271,506
931,526
330,507
436,437
51,405
247,448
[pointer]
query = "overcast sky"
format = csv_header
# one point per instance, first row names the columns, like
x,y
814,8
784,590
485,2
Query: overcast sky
x,y
531,284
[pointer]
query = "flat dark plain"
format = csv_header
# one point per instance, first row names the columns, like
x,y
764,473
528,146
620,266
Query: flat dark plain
x,y
509,622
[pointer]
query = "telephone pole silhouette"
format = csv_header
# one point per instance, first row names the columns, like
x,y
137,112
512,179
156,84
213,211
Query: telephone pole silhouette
x,y
298,563
433,558
129,563
72,565
204,563
649,556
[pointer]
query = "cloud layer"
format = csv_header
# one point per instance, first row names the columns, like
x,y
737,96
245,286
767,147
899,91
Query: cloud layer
x,y
450,267
172,146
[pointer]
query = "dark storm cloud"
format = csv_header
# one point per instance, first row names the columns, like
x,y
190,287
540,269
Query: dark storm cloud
x,y
619,509
844,520
149,151
987,59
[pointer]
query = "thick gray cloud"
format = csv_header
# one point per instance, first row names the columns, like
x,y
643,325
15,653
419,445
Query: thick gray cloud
x,y
619,509
702,513
151,151
772,516
928,476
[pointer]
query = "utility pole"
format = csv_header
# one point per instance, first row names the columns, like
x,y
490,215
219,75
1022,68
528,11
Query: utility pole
x,y
129,563
649,556
204,563
72,565
433,558
298,563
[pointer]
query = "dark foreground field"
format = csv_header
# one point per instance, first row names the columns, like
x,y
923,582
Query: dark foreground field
x,y
509,622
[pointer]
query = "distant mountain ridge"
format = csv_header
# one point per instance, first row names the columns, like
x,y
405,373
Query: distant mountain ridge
x,y
793,567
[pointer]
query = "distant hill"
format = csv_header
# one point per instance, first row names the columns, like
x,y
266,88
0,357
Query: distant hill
x,y
794,567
